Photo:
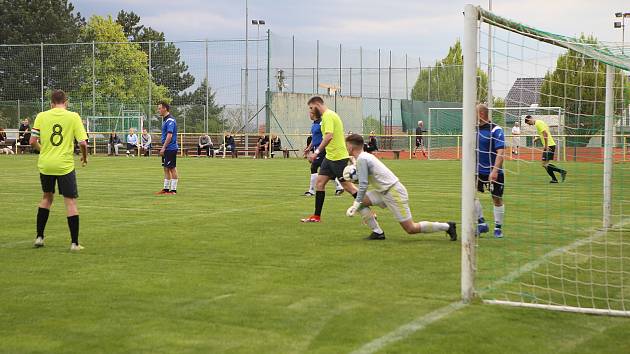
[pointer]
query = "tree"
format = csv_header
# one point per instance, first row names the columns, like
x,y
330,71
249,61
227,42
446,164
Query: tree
x,y
192,108
34,22
577,84
167,68
120,67
444,81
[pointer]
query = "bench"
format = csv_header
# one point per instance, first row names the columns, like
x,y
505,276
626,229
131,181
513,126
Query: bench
x,y
395,152
285,152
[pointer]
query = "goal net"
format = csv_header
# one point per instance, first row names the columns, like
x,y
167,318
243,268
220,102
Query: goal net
x,y
566,245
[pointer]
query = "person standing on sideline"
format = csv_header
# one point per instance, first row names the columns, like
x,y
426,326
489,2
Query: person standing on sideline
x,y
490,154
53,135
549,148
419,139
516,137
169,149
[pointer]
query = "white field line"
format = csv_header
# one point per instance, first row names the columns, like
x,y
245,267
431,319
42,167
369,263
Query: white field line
x,y
422,322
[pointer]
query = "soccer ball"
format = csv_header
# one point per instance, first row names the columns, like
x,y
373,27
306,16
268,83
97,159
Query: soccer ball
x,y
350,173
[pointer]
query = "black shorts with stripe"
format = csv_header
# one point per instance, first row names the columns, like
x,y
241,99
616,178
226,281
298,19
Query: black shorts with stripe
x,y
549,154
169,160
495,188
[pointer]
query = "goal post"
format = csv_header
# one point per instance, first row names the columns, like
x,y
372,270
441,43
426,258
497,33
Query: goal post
x,y
565,244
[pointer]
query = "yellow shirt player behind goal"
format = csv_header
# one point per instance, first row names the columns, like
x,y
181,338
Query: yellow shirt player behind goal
x,y
54,133
549,148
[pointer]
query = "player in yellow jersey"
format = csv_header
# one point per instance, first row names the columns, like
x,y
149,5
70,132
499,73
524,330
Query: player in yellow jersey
x,y
336,159
54,133
549,148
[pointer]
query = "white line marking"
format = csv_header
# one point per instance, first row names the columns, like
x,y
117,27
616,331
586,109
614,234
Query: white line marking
x,y
422,322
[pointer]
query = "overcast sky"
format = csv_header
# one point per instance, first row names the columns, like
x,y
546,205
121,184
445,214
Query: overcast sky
x,y
422,28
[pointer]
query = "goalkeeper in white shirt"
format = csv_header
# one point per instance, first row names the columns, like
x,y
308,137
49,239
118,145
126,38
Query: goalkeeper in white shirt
x,y
387,192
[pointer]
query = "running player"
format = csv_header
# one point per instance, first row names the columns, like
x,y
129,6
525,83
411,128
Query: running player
x,y
490,153
314,142
336,159
388,192
549,148
54,133
169,149
419,139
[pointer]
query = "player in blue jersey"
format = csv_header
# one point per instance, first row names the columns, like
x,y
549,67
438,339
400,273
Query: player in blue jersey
x,y
490,152
169,149
316,139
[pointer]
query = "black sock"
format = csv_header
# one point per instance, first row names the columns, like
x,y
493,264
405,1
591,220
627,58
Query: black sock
x,y
550,172
319,202
354,195
42,218
73,225
555,168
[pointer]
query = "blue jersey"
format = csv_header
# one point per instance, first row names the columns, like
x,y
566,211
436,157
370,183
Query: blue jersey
x,y
316,133
170,126
490,138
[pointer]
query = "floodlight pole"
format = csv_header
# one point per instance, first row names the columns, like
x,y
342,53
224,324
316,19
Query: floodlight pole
x,y
490,97
608,146
469,120
246,88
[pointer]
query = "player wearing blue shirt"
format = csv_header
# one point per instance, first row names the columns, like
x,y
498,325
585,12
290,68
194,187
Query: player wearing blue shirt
x,y
169,149
315,141
490,150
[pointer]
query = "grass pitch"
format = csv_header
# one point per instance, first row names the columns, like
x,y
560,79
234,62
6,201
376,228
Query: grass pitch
x,y
226,267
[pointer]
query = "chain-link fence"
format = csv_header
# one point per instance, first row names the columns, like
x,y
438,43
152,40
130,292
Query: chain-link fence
x,y
213,86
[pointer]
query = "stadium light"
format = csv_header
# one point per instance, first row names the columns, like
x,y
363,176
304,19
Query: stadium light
x,y
257,23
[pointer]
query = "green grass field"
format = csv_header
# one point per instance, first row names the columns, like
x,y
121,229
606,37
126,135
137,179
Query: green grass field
x,y
226,267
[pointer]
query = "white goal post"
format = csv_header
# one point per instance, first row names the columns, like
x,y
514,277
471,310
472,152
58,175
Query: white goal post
x,y
474,16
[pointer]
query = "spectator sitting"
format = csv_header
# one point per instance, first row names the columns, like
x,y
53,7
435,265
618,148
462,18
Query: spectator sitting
x,y
262,146
3,141
205,143
228,145
276,144
113,143
145,147
372,145
132,142
24,135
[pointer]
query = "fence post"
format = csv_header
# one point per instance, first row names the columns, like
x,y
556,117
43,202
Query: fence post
x,y
406,77
380,115
150,81
340,65
293,64
207,89
268,91
360,71
94,80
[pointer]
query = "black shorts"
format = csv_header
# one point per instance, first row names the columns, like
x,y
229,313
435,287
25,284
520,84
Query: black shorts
x,y
317,162
496,188
419,142
549,154
67,184
333,169
169,160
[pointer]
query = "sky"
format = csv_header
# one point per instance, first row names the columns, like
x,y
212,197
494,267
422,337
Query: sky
x,y
421,28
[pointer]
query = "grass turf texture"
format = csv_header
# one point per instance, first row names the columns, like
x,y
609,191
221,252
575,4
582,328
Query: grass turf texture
x,y
225,266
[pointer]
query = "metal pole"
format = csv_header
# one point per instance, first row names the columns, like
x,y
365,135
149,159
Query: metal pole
x,y
391,112
380,115
150,78
268,93
41,79
340,64
608,146
490,97
360,71
292,64
406,77
257,70
246,112
317,71
94,81
468,153
207,89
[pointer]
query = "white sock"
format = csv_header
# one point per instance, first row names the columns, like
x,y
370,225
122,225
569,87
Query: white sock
x,y
167,183
430,226
338,184
478,209
499,212
311,187
370,220
174,184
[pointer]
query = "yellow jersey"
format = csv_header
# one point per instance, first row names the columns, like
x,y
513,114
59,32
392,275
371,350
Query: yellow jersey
x,y
542,127
57,130
336,149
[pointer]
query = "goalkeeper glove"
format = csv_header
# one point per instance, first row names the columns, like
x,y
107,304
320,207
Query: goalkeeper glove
x,y
353,209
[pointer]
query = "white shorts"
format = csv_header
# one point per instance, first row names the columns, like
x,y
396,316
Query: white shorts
x,y
395,199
